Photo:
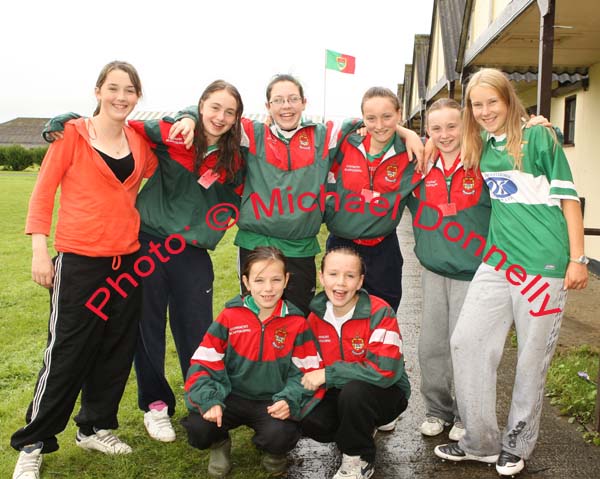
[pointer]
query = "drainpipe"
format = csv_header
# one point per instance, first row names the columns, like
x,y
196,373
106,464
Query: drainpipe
x,y
451,89
423,110
546,50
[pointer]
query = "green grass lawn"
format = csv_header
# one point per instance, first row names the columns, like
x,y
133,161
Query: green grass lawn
x,y
23,323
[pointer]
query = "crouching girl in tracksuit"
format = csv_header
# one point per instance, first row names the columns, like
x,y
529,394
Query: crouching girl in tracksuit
x,y
360,343
248,368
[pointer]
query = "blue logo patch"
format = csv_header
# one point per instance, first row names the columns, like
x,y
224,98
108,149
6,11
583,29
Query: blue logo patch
x,y
501,187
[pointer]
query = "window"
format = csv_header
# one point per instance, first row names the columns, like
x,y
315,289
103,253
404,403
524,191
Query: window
x,y
569,128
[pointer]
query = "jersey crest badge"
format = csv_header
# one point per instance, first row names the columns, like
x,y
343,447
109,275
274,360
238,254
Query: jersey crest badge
x,y
468,185
303,141
280,337
391,172
358,346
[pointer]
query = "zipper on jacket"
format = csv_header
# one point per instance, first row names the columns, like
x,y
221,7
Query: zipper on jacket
x,y
287,142
449,186
289,150
342,340
262,338
262,333
372,176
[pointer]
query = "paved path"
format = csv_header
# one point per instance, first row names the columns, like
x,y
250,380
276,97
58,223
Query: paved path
x,y
561,453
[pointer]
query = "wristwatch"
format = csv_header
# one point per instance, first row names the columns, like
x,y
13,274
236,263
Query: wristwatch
x,y
581,260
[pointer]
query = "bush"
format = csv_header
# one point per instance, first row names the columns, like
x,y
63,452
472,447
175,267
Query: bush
x,y
37,154
17,158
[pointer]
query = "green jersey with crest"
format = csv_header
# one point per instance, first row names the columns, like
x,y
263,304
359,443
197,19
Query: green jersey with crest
x,y
527,222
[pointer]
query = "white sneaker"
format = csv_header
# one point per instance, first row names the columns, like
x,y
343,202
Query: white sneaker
x,y
158,425
29,462
508,464
353,467
433,426
390,426
457,431
104,441
453,452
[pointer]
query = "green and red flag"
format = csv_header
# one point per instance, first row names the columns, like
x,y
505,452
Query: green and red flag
x,y
340,62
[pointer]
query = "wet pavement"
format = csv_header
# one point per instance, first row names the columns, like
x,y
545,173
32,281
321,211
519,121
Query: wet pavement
x,y
405,453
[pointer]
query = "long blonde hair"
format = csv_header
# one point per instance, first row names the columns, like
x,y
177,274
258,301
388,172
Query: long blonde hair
x,y
472,143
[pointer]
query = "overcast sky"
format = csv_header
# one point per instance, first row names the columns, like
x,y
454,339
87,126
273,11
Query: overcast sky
x,y
52,50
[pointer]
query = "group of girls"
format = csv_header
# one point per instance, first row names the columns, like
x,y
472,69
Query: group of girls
x,y
259,364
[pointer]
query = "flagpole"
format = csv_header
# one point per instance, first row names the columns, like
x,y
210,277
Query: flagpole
x,y
325,86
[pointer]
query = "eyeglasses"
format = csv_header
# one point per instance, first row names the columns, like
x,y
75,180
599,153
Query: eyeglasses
x,y
292,100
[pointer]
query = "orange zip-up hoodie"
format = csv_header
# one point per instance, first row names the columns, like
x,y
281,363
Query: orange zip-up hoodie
x,y
97,215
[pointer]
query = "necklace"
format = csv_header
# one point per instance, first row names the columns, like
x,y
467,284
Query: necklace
x,y
102,146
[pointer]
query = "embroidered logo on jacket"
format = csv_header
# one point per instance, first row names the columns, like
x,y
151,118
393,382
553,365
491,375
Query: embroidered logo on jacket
x,y
352,169
280,336
468,185
391,173
303,141
358,346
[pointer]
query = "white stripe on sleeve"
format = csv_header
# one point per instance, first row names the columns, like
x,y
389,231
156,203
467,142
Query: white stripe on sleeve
x,y
562,184
386,337
207,354
309,362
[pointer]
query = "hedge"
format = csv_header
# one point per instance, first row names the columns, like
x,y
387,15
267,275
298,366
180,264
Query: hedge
x,y
17,157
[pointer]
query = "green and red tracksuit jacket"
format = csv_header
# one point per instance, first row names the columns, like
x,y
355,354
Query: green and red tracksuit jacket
x,y
370,195
444,205
173,200
255,360
285,183
370,346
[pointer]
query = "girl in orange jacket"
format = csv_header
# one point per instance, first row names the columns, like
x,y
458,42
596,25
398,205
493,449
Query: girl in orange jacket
x,y
99,166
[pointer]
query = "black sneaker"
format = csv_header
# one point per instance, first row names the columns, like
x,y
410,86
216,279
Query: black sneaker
x,y
453,452
508,464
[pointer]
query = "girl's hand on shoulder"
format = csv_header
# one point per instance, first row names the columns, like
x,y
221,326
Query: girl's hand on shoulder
x,y
576,277
429,155
313,379
214,414
362,131
184,127
279,410
538,120
52,136
414,146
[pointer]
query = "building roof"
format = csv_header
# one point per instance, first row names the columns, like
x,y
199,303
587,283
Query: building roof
x,y
420,56
451,16
407,89
23,131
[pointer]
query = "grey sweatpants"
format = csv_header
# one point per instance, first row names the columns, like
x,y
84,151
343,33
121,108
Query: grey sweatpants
x,y
491,306
442,302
